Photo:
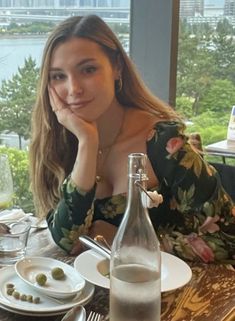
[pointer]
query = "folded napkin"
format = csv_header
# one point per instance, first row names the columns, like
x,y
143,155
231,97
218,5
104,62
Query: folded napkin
x,y
14,214
153,199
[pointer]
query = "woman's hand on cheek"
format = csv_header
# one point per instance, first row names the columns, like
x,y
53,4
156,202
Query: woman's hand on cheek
x,y
57,104
59,107
67,118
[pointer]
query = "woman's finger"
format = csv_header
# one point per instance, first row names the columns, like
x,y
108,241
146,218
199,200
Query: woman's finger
x,y
56,103
77,248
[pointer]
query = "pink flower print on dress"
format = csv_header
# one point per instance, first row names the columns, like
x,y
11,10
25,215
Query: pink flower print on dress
x,y
209,224
174,144
200,248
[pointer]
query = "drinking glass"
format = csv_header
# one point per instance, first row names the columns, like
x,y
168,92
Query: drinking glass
x,y
13,242
6,183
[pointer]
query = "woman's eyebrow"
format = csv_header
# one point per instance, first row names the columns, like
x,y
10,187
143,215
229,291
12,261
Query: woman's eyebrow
x,y
85,60
80,63
55,69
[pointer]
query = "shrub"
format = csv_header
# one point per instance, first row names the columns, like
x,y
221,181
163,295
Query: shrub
x,y
211,126
19,163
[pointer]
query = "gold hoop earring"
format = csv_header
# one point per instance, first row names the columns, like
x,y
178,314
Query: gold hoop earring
x,y
118,84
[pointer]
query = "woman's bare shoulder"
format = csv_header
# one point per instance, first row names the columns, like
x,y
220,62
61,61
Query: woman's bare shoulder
x,y
140,123
142,118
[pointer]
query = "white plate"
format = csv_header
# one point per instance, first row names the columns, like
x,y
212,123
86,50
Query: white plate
x,y
175,273
29,267
47,306
28,313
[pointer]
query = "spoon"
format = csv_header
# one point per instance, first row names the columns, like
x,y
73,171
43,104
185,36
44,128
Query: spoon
x,y
4,228
93,244
40,225
77,313
101,239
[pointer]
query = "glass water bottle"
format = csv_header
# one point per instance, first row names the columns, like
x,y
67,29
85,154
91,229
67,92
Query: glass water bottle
x,y
135,265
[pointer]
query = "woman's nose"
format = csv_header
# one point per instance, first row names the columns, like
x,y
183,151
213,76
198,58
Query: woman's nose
x,y
75,87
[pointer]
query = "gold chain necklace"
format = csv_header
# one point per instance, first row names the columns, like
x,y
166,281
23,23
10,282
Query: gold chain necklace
x,y
106,152
101,152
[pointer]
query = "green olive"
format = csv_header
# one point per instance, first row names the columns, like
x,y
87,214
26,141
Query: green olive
x,y
10,291
36,300
41,279
57,273
10,286
29,298
23,297
16,294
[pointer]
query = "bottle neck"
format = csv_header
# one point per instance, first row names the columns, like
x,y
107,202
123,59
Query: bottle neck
x,y
137,164
134,191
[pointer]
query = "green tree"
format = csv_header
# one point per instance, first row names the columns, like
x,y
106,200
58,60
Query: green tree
x,y
195,66
206,77
17,99
219,98
224,51
184,106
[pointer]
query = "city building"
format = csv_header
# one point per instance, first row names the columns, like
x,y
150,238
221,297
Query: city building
x,y
191,8
207,11
229,8
56,4
213,8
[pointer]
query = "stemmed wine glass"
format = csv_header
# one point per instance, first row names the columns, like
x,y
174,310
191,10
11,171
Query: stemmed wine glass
x,y
6,183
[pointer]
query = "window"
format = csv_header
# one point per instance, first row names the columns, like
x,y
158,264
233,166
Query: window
x,y
206,66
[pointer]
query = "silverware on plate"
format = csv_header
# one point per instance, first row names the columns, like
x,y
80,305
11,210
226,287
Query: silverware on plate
x,y
94,316
78,313
96,246
102,240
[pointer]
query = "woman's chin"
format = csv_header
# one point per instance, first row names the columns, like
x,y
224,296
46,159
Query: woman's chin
x,y
88,117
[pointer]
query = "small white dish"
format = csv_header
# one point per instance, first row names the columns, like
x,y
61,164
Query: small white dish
x,y
94,268
70,285
48,306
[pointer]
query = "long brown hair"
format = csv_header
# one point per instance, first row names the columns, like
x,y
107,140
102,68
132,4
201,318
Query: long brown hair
x,y
53,148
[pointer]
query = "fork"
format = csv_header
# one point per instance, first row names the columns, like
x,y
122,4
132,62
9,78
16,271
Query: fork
x,y
94,316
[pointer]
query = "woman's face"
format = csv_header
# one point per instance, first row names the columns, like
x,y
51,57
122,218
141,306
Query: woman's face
x,y
83,77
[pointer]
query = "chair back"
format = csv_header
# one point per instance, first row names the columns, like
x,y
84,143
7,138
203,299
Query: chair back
x,y
227,175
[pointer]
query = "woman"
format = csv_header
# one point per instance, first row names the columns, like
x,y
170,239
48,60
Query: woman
x,y
93,110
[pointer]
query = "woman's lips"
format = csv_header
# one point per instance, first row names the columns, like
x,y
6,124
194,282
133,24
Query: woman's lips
x,y
80,104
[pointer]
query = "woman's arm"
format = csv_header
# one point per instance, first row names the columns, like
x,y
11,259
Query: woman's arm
x,y
73,215
74,212
206,213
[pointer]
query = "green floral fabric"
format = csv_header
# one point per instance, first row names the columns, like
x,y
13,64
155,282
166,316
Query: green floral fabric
x,y
196,220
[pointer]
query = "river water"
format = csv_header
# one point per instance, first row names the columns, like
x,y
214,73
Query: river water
x,y
13,51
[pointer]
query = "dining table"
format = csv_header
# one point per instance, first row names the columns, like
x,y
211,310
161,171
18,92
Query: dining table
x,y
224,149
208,296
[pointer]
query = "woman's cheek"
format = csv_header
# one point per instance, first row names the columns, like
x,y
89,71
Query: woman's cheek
x,y
62,92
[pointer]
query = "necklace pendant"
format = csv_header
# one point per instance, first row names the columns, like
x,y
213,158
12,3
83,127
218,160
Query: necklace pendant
x,y
98,179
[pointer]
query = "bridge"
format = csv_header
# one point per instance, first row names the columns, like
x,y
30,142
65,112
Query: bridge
x,y
109,14
35,17
53,8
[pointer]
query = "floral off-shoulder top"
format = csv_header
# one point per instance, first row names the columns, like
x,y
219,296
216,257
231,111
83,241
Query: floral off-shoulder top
x,y
196,220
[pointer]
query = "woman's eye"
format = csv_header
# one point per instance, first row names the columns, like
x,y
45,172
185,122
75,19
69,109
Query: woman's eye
x,y
89,69
57,76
